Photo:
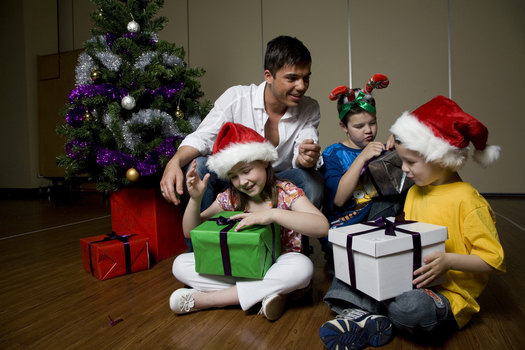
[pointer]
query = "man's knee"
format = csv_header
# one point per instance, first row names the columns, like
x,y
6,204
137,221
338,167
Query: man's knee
x,y
309,180
202,169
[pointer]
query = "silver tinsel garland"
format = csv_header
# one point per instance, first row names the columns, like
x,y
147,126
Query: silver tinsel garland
x,y
145,117
113,61
86,64
108,121
83,69
171,60
144,60
167,60
154,37
110,60
195,121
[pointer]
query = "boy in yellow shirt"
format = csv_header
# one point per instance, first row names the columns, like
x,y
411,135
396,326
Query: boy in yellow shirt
x,y
433,143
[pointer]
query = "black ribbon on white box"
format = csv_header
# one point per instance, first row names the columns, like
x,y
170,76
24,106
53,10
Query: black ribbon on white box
x,y
390,227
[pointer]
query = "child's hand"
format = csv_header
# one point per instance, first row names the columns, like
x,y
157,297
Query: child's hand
x,y
373,149
436,265
391,142
195,186
262,217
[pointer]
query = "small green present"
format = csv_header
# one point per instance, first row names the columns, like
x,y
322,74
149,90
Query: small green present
x,y
219,250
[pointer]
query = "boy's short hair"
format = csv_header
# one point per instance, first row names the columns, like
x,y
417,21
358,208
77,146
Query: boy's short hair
x,y
285,50
355,109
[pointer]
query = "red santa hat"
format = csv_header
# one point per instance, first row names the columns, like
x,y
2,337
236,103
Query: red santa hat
x,y
237,143
440,131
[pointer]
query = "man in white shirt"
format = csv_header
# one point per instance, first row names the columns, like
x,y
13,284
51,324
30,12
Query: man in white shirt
x,y
277,109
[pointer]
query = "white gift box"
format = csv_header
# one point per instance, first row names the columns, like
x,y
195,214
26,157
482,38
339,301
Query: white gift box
x,y
383,265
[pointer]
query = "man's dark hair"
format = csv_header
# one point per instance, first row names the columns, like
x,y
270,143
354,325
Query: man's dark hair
x,y
285,50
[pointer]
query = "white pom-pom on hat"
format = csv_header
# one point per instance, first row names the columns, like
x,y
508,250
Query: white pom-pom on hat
x,y
488,156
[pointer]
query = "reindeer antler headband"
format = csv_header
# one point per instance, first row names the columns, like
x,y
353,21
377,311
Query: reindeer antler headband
x,y
378,81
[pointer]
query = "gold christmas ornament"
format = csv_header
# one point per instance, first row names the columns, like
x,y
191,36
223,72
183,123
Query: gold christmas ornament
x,y
87,117
132,175
95,74
179,113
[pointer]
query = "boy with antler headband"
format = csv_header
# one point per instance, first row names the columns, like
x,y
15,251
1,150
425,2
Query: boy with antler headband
x,y
346,201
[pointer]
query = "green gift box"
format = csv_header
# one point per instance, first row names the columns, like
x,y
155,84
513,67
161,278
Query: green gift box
x,y
219,250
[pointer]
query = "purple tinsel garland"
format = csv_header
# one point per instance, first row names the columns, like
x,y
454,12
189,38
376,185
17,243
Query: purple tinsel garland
x,y
167,91
106,157
108,90
110,38
75,116
80,144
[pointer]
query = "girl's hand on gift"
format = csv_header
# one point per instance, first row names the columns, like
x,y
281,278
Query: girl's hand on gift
x,y
436,265
195,185
262,217
373,149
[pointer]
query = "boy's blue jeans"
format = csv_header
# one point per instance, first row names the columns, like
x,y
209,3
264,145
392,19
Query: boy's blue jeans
x,y
309,180
414,311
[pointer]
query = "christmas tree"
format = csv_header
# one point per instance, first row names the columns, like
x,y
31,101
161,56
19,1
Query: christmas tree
x,y
134,99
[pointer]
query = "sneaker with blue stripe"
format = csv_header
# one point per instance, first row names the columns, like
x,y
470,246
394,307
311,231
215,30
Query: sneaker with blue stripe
x,y
355,329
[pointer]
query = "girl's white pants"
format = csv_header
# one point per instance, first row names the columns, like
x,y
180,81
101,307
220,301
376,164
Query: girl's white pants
x,y
291,271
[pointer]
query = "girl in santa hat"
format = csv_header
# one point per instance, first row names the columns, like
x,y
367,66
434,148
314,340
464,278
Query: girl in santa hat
x,y
432,142
244,157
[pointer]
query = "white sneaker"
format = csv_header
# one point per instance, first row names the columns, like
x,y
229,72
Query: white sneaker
x,y
272,306
182,302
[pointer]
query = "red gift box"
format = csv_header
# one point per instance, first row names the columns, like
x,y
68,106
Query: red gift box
x,y
114,255
145,212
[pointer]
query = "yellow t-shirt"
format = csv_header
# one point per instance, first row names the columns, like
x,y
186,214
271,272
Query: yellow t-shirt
x,y
471,227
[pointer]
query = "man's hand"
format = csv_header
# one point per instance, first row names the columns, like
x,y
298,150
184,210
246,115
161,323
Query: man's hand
x,y
171,185
309,153
172,176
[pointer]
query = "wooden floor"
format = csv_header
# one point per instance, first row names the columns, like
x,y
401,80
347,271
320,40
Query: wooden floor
x,y
47,300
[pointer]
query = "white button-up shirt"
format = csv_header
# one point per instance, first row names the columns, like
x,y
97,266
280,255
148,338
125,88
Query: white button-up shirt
x,y
245,105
